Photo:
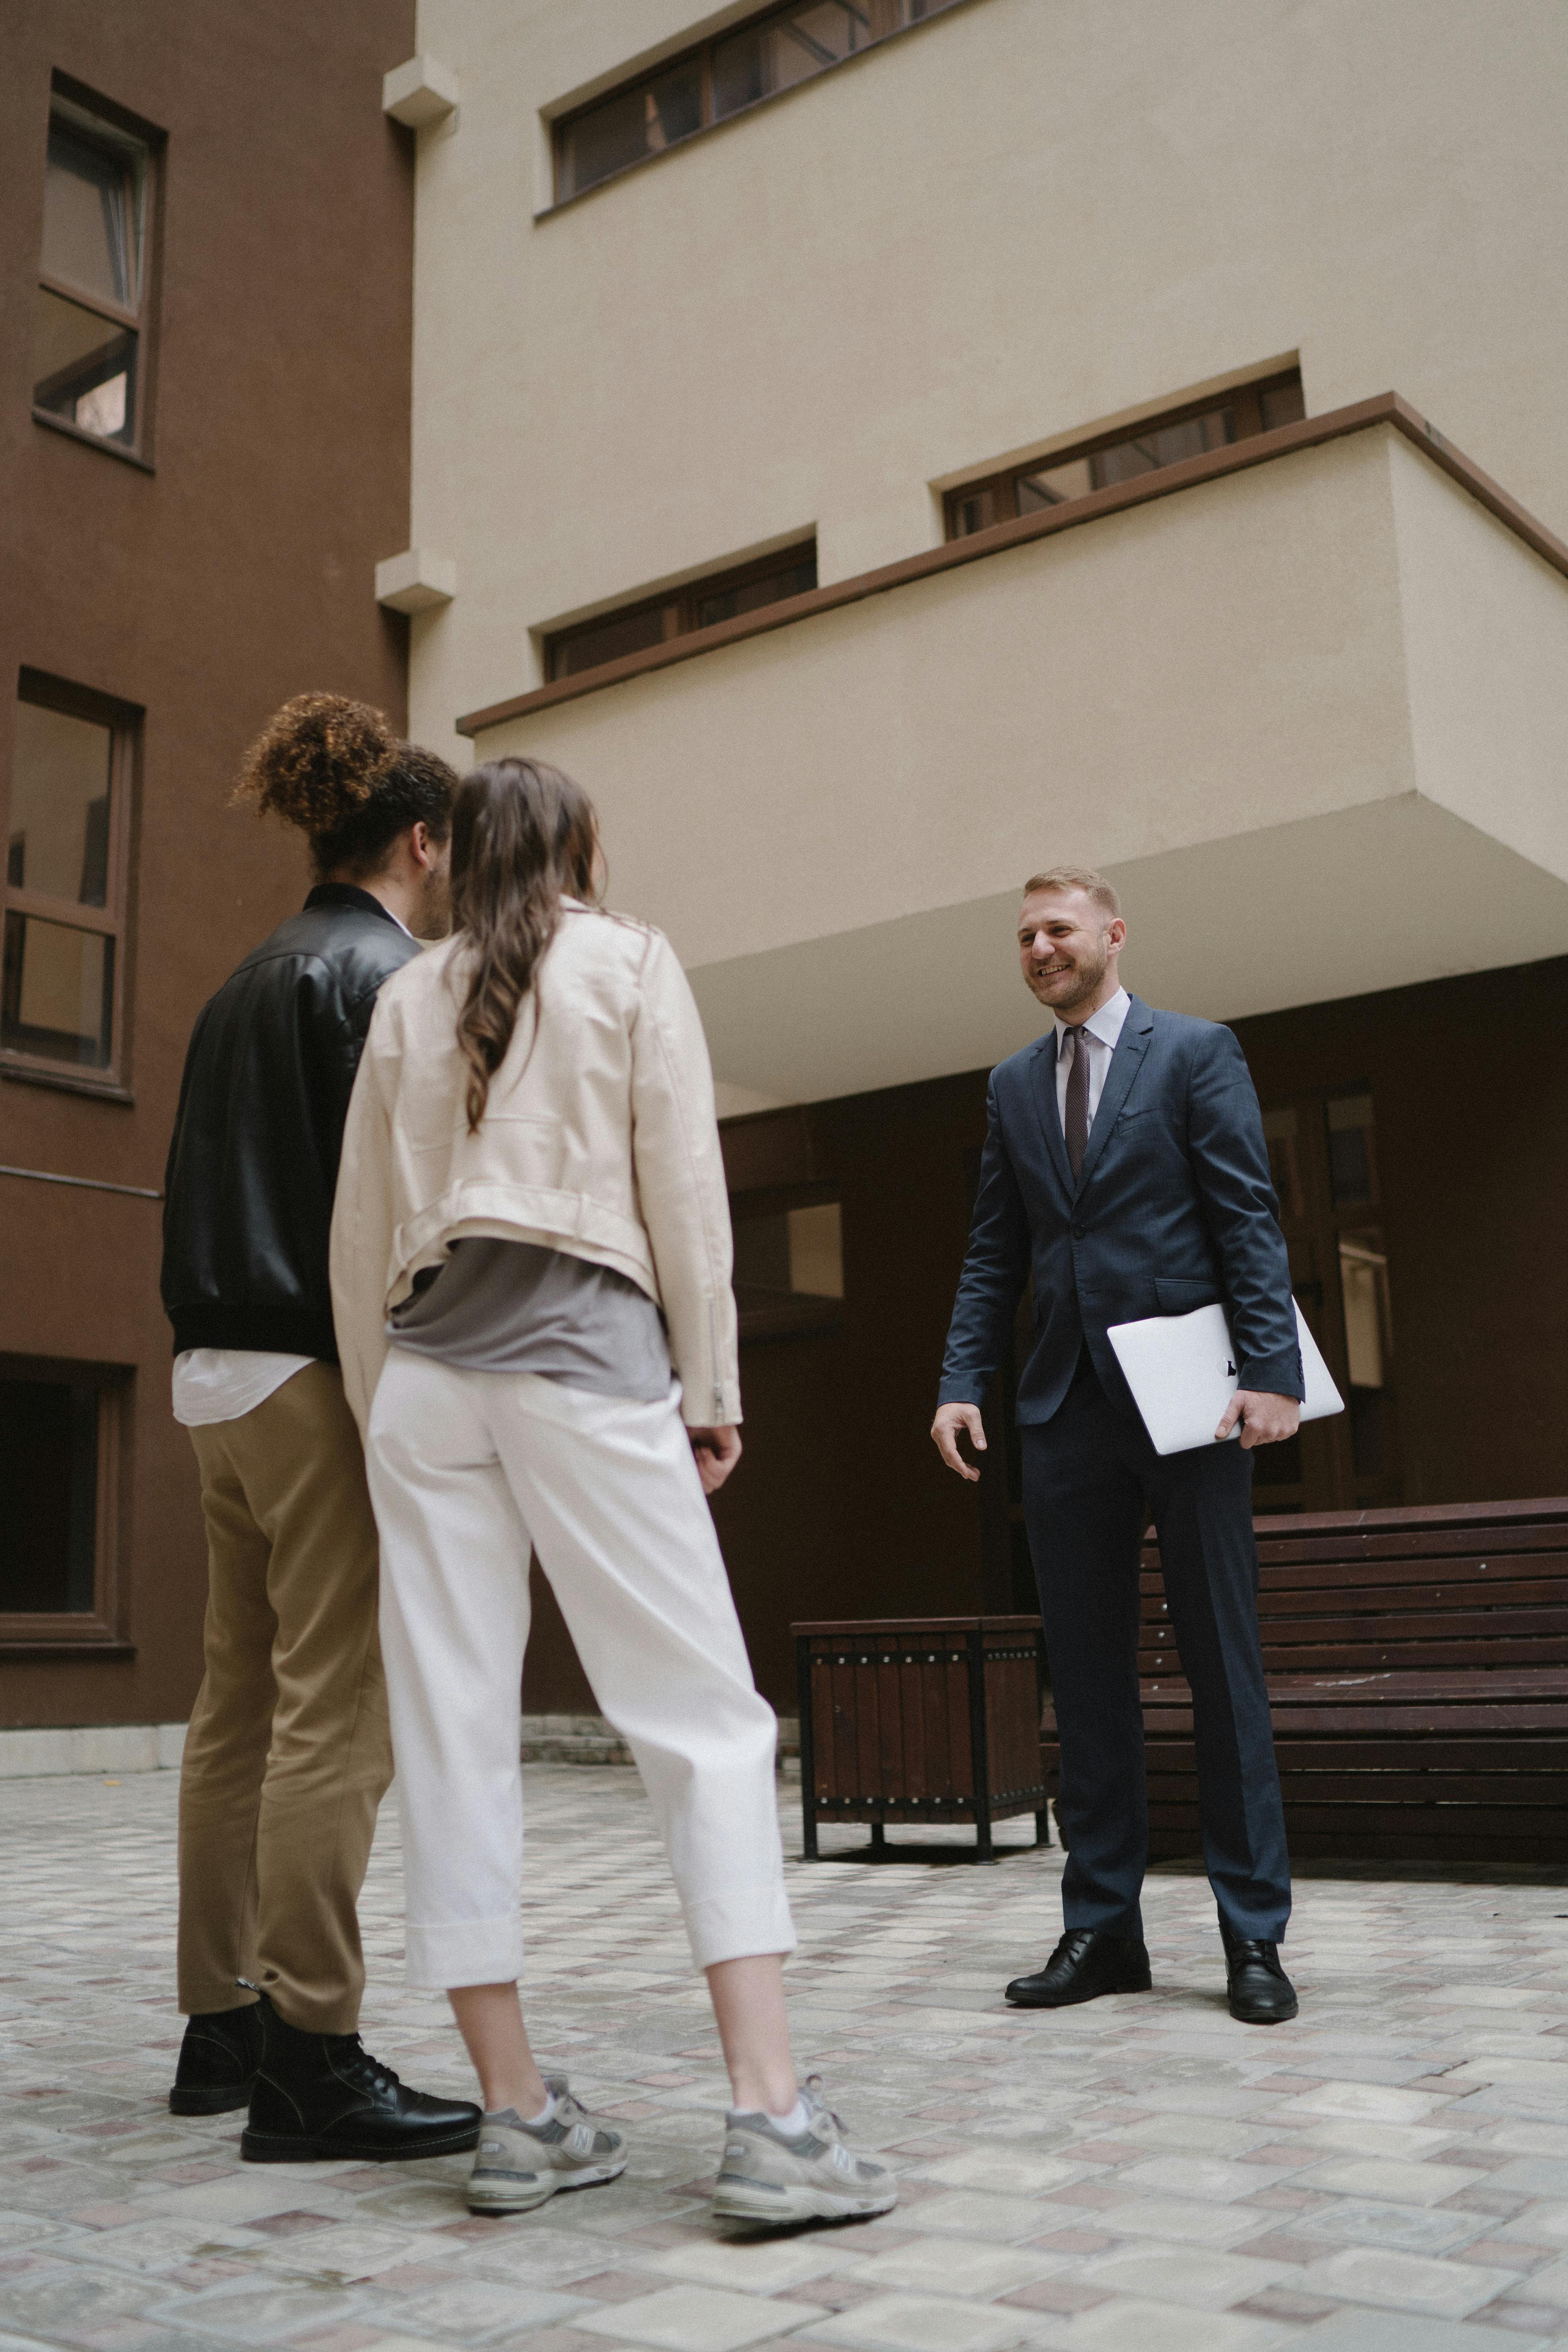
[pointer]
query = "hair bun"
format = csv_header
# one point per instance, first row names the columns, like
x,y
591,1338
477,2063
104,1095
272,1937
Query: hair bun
x,y
317,761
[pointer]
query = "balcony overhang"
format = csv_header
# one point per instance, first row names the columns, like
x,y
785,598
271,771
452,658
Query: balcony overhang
x,y
1307,713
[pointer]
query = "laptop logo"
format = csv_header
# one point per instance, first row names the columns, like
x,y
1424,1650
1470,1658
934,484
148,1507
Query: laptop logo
x,y
1230,1368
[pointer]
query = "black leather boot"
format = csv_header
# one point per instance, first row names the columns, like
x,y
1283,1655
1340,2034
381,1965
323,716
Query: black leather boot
x,y
1086,1963
1260,1991
218,2062
323,2094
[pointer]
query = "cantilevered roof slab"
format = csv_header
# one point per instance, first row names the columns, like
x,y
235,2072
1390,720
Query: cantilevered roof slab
x,y
1308,713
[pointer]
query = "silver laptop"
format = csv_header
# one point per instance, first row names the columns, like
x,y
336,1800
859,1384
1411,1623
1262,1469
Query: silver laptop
x,y
1182,1371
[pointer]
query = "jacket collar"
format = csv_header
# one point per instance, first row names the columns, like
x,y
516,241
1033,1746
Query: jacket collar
x,y
1125,1063
349,893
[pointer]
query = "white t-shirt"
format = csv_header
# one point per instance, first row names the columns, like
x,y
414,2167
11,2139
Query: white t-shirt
x,y
220,1383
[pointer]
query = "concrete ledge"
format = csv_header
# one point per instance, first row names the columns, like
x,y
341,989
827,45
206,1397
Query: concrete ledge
x,y
416,580
422,92
92,1748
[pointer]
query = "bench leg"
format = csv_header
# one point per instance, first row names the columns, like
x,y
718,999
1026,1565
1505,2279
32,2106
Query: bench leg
x,y
878,1837
1042,1828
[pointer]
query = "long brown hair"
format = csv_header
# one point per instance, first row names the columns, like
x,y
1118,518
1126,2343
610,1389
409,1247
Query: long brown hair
x,y
522,837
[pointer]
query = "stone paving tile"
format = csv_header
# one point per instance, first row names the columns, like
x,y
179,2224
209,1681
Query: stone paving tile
x,y
1388,2174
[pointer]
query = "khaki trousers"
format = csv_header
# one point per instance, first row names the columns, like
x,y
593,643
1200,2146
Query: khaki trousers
x,y
289,1753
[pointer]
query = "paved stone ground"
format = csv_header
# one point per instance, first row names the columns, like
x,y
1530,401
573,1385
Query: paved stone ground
x,y
1388,2175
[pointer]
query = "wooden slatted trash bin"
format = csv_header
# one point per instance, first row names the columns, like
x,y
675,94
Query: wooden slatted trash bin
x,y
920,1719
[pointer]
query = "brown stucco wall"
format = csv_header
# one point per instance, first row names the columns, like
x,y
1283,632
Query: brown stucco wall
x,y
238,574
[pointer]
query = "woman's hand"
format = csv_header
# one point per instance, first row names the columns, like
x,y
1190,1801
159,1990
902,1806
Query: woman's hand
x,y
717,1452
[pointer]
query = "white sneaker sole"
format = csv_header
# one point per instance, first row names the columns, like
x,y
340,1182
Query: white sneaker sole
x,y
500,2200
736,2199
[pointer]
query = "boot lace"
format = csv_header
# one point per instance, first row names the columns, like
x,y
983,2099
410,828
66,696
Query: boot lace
x,y
352,2061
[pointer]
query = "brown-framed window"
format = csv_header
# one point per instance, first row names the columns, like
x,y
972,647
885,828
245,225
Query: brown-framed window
x,y
789,1261
89,309
1123,456
778,48
60,1442
67,834
723,596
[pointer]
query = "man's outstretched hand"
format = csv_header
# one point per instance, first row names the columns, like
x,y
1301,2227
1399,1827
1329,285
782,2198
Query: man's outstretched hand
x,y
1265,1419
950,1421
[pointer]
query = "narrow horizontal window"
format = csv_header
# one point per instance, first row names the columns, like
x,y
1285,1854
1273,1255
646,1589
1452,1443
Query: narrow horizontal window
x,y
1099,464
66,830
88,309
779,48
702,605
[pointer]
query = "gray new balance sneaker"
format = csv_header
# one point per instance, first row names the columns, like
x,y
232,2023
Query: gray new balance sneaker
x,y
767,2178
517,2165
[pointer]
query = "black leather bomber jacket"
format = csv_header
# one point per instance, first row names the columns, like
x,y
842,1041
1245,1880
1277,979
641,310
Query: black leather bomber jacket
x,y
254,1161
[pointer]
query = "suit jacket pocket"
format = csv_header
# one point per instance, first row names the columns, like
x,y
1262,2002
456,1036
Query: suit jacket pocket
x,y
1180,1294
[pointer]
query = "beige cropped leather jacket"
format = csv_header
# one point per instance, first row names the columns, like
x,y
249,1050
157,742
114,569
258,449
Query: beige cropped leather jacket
x,y
600,1138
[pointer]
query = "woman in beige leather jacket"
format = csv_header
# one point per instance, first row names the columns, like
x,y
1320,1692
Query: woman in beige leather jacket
x,y
531,1286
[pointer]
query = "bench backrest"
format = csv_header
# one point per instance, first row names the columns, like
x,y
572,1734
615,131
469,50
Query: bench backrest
x,y
1462,1585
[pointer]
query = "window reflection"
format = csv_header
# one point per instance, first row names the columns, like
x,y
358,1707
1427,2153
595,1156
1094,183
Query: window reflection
x,y
1280,1133
607,641
91,225
58,841
56,997
1030,489
723,596
796,1253
783,47
1352,1163
83,366
1363,1284
789,1267
752,596
764,58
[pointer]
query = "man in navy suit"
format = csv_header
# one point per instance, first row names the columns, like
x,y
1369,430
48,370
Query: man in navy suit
x,y
1125,1170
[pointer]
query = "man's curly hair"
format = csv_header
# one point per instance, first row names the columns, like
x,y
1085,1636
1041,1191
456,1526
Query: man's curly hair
x,y
335,769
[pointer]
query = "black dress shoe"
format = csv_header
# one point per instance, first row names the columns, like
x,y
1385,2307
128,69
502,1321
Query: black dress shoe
x,y
1260,1991
323,2094
218,2062
1086,1963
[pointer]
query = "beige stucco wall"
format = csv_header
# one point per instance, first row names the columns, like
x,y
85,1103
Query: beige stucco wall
x,y
1022,219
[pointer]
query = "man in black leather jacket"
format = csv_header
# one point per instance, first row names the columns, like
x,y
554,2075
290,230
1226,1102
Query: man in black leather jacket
x,y
289,1751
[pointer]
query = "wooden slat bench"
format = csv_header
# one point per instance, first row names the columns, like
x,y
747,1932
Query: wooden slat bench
x,y
920,1719
1417,1665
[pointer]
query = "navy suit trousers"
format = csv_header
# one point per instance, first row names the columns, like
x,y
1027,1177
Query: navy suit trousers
x,y
1092,1481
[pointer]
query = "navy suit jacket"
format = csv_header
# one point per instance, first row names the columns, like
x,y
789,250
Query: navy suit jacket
x,y
1174,1208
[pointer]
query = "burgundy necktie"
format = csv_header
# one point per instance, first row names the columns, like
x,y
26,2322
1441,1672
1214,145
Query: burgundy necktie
x,y
1078,1103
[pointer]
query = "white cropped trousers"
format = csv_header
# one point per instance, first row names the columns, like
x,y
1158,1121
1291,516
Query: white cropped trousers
x,y
467,1470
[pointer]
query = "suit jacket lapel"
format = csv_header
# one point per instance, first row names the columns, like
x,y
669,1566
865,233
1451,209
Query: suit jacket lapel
x,y
1044,1074
1125,1064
